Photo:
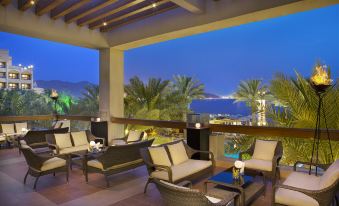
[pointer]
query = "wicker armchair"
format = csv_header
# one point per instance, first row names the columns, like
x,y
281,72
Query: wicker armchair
x,y
303,189
8,130
133,136
171,172
174,195
270,167
42,165
116,159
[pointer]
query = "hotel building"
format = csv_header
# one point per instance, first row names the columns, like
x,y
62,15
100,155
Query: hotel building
x,y
14,77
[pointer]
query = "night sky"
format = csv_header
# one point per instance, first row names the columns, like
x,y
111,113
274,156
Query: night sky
x,y
219,59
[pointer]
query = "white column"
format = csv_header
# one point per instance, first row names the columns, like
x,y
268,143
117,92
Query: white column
x,y
111,89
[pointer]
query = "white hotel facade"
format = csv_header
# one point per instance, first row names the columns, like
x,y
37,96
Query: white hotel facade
x,y
14,77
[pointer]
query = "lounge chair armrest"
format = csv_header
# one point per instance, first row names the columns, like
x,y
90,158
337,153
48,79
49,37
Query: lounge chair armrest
x,y
304,191
211,155
323,166
165,168
54,147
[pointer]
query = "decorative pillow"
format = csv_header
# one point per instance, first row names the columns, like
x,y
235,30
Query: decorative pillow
x,y
7,128
330,176
63,140
133,136
159,156
178,153
264,150
79,138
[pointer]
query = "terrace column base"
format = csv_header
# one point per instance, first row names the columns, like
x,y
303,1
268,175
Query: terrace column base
x,y
111,90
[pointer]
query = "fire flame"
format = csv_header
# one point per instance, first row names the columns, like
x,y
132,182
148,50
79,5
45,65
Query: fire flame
x,y
320,76
54,93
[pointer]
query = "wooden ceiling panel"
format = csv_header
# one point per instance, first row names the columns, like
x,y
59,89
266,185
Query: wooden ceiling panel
x,y
46,6
67,7
23,5
88,9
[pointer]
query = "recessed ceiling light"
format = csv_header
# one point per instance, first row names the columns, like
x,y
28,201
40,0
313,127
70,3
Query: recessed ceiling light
x,y
154,5
105,23
32,2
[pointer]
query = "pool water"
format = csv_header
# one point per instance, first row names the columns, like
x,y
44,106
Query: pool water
x,y
234,156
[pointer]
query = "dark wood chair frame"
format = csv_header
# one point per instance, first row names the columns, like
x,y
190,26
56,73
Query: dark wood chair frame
x,y
190,152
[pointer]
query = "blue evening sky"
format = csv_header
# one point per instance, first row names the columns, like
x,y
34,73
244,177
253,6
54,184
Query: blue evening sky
x,y
219,59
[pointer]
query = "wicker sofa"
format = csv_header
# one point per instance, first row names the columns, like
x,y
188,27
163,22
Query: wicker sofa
x,y
116,159
66,143
133,136
300,188
172,162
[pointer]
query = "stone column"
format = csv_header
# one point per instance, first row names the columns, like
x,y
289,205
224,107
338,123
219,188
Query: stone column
x,y
111,89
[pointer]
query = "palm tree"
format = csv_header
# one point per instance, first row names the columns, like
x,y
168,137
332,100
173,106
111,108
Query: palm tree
x,y
89,103
251,91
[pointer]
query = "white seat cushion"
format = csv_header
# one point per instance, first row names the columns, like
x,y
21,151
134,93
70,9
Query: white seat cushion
x,y
20,126
118,142
97,164
2,138
259,164
73,149
63,140
79,138
133,136
213,199
330,176
159,156
293,198
8,129
178,153
183,170
53,163
264,150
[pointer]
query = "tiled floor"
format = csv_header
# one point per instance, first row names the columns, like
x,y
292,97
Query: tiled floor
x,y
126,188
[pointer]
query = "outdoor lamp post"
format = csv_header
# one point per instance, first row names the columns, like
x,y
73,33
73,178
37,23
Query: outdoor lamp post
x,y
321,83
54,96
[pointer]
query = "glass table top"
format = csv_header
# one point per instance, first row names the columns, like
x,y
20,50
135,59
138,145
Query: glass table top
x,y
226,178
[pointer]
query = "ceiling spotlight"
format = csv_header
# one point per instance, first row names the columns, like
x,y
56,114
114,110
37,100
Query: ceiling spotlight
x,y
154,5
32,2
105,23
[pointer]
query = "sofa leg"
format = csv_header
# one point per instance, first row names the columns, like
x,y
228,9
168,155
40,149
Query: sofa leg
x,y
35,182
67,175
107,181
26,177
148,181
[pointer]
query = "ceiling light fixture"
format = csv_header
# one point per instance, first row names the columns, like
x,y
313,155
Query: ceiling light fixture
x,y
32,2
154,5
104,24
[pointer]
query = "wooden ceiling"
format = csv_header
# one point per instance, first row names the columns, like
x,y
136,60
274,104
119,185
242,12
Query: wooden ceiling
x,y
104,15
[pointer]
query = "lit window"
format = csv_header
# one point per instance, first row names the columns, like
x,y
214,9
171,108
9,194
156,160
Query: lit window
x,y
25,86
12,85
2,64
2,75
25,77
2,85
13,76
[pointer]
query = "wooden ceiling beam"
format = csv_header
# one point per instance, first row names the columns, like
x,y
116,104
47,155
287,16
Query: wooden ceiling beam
x,y
23,5
69,18
150,6
5,2
103,15
62,10
45,6
110,27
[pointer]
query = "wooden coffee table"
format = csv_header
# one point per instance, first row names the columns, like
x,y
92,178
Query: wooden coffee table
x,y
248,189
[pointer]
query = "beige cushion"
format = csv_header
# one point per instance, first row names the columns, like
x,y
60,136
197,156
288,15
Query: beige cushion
x,y
258,164
20,126
63,140
183,170
330,176
213,199
299,180
133,136
79,138
53,163
97,164
2,138
159,156
8,129
118,142
178,153
68,150
264,150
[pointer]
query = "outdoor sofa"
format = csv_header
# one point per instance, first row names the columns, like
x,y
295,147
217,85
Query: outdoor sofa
x,y
132,136
172,162
116,159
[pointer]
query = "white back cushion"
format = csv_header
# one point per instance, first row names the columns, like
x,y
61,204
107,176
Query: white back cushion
x,y
7,128
133,136
79,138
63,140
264,150
159,156
330,176
178,153
20,126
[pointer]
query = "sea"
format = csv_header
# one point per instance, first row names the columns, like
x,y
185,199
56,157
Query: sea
x,y
227,107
